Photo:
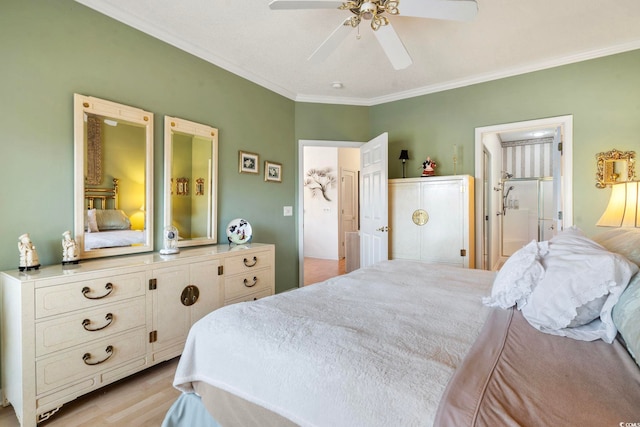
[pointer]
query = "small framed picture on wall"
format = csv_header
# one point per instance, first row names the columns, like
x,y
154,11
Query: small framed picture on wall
x,y
272,171
248,162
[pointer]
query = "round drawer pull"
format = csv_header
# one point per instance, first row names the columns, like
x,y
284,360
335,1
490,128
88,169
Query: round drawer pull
x,y
246,282
87,356
189,295
255,261
420,217
108,287
87,322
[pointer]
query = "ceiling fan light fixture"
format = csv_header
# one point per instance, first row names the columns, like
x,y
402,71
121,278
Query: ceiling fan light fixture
x,y
379,21
354,21
368,10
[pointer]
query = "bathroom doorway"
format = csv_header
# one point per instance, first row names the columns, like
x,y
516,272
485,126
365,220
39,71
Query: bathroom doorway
x,y
523,186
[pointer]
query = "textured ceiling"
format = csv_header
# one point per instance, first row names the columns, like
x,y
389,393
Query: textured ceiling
x,y
271,47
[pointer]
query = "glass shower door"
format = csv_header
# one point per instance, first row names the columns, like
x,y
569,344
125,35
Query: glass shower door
x,y
527,213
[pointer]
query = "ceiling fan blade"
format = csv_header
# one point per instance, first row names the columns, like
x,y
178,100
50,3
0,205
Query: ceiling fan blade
x,y
304,4
393,47
331,43
453,10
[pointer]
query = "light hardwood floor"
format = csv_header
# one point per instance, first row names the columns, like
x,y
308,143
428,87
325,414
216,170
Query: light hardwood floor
x,y
317,270
140,400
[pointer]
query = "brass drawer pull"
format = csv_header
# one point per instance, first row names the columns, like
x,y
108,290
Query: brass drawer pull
x,y
255,261
246,282
190,295
87,322
87,356
108,287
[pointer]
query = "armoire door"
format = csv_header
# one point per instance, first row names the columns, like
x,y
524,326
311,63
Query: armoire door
x,y
431,219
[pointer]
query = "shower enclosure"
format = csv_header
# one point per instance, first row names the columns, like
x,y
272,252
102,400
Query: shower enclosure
x,y
527,212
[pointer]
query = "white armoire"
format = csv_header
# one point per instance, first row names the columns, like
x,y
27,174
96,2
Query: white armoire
x,y
431,219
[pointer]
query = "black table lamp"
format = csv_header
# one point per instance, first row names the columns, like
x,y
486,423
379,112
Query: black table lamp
x,y
404,156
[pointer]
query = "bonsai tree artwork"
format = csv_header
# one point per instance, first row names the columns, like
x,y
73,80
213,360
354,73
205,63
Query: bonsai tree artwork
x,y
319,181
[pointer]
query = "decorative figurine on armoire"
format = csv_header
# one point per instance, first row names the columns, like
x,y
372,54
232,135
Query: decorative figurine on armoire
x,y
28,255
428,167
69,249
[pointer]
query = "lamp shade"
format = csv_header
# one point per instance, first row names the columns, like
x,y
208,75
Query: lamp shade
x,y
404,155
622,210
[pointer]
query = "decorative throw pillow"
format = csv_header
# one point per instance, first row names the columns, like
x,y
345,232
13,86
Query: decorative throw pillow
x,y
112,219
626,317
581,284
518,275
91,222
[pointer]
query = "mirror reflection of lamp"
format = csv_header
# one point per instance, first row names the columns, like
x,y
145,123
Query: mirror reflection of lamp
x,y
137,219
404,156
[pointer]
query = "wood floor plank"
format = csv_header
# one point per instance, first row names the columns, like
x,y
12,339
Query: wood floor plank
x,y
139,400
317,269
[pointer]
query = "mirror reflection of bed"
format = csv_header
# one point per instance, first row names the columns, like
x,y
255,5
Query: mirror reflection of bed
x,y
108,226
113,171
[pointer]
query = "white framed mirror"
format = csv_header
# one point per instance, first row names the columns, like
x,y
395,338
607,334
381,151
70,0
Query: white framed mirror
x,y
113,178
191,181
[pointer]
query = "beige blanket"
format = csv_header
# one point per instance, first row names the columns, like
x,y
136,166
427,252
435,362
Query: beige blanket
x,y
515,375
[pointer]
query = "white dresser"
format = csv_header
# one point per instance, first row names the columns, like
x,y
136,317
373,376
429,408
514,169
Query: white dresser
x,y
69,330
431,219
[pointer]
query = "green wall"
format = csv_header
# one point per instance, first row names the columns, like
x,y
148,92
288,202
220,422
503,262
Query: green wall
x,y
331,122
603,95
51,50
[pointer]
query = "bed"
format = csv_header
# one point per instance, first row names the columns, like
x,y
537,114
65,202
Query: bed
x,y
107,226
548,340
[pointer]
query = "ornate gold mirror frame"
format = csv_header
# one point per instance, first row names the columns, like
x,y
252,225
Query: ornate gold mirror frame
x,y
614,166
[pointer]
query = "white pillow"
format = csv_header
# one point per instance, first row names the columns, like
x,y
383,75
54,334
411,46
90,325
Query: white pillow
x,y
517,277
581,284
92,223
112,219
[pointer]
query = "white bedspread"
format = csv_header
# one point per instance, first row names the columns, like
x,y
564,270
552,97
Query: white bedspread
x,y
113,238
373,348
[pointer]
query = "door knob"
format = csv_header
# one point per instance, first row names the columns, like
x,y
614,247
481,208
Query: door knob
x,y
384,229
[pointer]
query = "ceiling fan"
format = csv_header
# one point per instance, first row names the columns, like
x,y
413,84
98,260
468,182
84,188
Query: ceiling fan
x,y
376,11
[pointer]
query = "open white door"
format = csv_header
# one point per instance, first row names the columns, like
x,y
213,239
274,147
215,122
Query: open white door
x,y
374,210
557,181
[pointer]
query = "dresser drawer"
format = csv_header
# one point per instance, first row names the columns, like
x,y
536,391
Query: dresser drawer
x,y
81,327
250,297
249,282
67,367
65,298
247,262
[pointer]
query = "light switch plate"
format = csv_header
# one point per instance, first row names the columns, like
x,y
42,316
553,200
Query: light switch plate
x,y
287,211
